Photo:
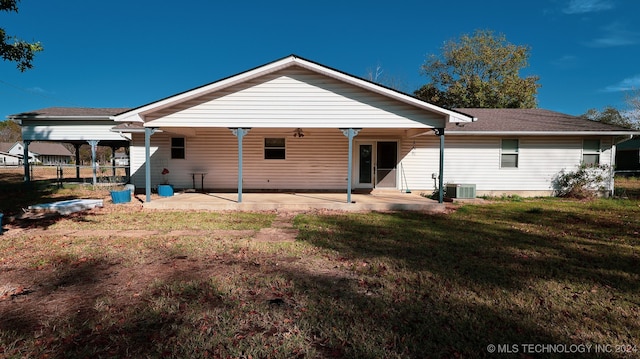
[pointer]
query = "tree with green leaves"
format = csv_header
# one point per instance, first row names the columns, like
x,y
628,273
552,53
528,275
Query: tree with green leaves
x,y
479,71
611,116
13,49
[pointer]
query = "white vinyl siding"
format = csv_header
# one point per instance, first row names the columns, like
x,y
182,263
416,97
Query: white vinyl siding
x,y
54,130
471,159
215,152
468,159
295,98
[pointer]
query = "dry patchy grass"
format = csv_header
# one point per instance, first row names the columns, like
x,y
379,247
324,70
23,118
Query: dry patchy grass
x,y
368,285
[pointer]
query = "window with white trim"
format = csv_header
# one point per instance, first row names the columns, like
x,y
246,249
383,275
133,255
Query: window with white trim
x,y
509,153
274,149
178,148
591,152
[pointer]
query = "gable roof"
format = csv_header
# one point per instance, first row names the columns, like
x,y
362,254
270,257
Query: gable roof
x,y
6,146
46,148
493,121
138,114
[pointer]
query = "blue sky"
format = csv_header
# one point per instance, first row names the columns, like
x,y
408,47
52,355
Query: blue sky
x,y
126,53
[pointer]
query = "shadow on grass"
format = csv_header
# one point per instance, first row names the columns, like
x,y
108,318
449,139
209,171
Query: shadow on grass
x,y
411,285
499,251
15,198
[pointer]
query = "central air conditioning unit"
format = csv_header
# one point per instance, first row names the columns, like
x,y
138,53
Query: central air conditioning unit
x,y
461,190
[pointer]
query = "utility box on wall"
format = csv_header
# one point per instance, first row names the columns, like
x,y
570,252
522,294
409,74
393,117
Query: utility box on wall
x,y
461,190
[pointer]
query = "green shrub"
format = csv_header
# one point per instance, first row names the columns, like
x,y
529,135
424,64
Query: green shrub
x,y
586,182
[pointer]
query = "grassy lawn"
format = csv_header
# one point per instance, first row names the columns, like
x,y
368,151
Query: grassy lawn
x,y
369,285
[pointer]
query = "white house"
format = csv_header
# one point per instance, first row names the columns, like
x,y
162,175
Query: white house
x,y
6,158
46,153
294,124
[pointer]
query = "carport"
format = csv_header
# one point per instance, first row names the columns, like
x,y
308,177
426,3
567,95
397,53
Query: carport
x,y
76,126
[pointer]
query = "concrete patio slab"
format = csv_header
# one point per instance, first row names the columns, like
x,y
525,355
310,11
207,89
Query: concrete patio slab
x,y
297,201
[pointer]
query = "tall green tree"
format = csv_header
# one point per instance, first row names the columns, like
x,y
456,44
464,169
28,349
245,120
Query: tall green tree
x,y
12,48
612,116
480,70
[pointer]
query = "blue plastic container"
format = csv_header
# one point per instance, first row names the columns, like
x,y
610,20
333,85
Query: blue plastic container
x,y
123,196
165,190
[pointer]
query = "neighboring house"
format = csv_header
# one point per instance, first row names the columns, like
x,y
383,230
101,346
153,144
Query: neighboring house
x,y
628,157
121,159
6,158
46,153
294,124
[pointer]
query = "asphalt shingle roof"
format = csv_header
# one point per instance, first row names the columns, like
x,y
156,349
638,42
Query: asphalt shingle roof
x,y
71,112
49,148
527,120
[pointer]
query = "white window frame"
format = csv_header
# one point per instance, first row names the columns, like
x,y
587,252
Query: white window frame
x,y
589,152
510,152
267,148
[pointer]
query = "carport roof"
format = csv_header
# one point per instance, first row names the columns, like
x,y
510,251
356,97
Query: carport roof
x,y
68,112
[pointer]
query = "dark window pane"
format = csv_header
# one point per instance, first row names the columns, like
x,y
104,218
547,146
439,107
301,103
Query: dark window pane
x,y
591,145
177,142
365,163
177,147
274,142
177,153
274,153
509,161
510,145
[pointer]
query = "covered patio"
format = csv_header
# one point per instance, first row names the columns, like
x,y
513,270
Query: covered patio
x,y
290,125
298,201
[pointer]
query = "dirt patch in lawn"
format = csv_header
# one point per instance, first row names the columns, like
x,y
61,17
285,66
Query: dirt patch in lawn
x,y
76,285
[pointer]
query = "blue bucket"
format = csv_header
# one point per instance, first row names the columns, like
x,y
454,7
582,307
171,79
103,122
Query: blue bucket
x,y
165,190
123,196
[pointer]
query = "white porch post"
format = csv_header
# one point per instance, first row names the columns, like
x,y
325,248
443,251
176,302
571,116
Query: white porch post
x,y
93,144
240,133
148,131
350,133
